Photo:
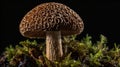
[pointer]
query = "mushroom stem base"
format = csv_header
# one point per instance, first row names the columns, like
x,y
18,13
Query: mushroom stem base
x,y
53,45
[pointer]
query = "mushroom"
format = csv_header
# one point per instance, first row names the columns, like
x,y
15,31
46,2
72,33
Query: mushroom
x,y
51,21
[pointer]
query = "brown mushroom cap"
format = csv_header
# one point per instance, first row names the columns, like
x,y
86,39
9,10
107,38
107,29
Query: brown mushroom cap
x,y
51,17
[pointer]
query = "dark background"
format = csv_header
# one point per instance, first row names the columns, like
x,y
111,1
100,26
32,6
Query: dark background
x,y
100,17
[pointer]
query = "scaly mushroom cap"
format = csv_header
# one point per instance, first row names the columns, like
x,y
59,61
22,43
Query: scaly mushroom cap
x,y
51,17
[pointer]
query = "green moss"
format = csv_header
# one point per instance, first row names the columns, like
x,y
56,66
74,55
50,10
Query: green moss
x,y
76,53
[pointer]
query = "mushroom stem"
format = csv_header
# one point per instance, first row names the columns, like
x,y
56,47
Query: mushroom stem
x,y
53,45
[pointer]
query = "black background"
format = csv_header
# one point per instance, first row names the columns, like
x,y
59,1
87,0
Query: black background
x,y
100,17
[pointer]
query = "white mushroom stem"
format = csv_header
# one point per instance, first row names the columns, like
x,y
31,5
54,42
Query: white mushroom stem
x,y
53,45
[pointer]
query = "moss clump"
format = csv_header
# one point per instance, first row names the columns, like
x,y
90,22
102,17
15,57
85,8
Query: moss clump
x,y
82,53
